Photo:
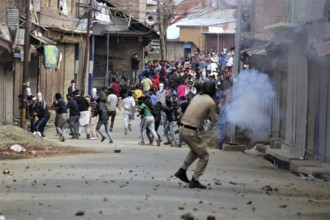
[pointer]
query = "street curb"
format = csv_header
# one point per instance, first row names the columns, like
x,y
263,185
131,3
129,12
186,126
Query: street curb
x,y
233,147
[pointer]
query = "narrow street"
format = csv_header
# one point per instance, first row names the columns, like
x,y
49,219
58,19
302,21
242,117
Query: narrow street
x,y
138,183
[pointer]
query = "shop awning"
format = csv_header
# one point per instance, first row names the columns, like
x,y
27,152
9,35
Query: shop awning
x,y
43,40
259,50
255,51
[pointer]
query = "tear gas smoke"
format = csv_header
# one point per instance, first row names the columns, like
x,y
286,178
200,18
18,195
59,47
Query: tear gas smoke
x,y
253,96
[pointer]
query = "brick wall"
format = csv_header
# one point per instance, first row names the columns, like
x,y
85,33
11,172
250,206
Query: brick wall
x,y
136,7
50,16
267,12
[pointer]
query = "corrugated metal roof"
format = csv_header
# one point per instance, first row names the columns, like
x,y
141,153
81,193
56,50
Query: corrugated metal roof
x,y
203,22
206,10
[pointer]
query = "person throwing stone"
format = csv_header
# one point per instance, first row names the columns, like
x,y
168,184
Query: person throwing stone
x,y
191,132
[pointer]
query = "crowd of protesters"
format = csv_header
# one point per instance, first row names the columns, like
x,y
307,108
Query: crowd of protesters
x,y
167,87
158,94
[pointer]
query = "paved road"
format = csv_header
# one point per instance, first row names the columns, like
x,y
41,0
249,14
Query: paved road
x,y
138,183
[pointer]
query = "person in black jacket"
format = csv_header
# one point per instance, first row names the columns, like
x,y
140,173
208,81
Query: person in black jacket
x,y
74,115
102,112
61,115
135,61
84,113
171,110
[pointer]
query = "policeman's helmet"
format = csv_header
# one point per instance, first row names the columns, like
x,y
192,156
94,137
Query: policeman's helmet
x,y
209,88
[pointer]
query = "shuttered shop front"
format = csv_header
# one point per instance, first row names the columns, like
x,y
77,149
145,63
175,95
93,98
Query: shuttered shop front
x,y
297,100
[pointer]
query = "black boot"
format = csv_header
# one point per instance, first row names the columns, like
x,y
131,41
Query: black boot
x,y
181,174
196,184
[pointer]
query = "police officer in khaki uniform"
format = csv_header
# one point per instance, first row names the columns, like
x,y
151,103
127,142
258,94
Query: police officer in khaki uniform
x,y
202,106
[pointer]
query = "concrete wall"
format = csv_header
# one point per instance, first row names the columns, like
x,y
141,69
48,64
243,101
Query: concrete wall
x,y
219,42
194,34
175,50
120,51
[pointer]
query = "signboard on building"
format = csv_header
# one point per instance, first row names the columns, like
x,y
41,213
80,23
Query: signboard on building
x,y
51,56
102,13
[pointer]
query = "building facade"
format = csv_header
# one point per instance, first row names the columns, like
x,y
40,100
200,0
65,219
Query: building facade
x,y
297,60
59,50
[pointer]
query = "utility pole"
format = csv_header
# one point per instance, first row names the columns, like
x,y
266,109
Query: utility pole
x,y
86,58
237,61
26,61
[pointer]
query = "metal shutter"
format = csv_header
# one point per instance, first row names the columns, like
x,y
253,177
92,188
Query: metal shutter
x,y
322,112
300,100
327,153
295,132
313,81
283,103
2,94
290,107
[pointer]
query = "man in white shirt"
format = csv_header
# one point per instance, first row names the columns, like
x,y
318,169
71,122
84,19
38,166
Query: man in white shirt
x,y
112,102
128,105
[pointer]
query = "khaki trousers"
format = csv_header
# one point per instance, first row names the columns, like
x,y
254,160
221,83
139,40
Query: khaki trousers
x,y
198,149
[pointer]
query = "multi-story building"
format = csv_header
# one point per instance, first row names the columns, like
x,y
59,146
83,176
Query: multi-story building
x,y
297,60
58,50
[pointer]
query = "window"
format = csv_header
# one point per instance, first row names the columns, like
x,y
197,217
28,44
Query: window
x,y
46,3
63,7
70,6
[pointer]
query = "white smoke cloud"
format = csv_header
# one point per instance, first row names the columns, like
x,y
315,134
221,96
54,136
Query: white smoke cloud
x,y
253,96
